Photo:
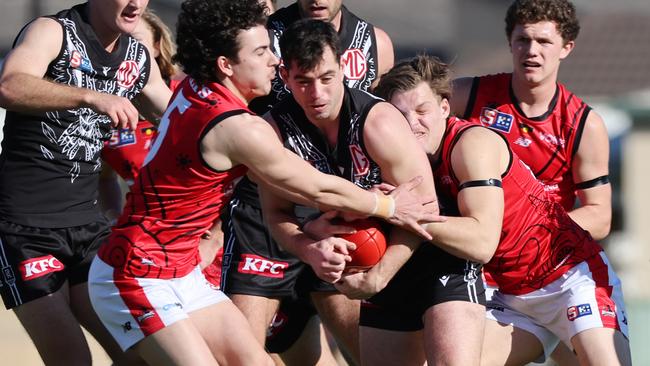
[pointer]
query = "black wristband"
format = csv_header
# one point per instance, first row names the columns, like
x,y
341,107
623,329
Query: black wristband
x,y
604,179
480,183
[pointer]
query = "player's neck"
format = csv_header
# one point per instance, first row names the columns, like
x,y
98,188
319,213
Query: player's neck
x,y
234,90
534,99
336,21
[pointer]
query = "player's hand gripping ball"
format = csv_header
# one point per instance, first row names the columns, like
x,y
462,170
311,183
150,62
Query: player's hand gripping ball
x,y
370,242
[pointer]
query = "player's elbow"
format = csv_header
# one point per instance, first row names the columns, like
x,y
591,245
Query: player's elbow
x,y
6,92
486,248
602,230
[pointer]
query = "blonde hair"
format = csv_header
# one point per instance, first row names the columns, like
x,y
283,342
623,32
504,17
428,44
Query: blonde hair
x,y
163,38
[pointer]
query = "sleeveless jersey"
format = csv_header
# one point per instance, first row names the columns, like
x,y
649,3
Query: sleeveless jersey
x,y
539,241
546,143
126,150
349,159
360,58
49,167
177,196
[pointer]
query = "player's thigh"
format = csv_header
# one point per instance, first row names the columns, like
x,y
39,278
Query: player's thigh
x,y
340,315
258,311
311,347
84,312
54,329
563,356
602,346
504,344
453,333
228,335
179,344
389,347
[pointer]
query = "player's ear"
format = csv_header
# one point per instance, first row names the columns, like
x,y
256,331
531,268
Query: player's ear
x,y
224,65
284,73
566,49
445,108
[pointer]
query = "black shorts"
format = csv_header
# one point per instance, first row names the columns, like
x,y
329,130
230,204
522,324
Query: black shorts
x,y
289,323
37,261
253,263
430,277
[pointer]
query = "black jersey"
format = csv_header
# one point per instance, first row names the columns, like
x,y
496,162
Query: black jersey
x,y
360,58
349,159
50,162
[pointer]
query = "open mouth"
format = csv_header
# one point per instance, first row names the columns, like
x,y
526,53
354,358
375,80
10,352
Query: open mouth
x,y
531,65
130,15
318,10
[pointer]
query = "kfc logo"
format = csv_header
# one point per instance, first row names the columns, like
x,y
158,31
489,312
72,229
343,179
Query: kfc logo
x,y
359,160
354,64
39,267
257,265
127,74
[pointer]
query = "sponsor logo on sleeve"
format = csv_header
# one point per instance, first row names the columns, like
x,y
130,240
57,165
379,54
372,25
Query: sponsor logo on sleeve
x,y
575,312
496,119
39,267
253,264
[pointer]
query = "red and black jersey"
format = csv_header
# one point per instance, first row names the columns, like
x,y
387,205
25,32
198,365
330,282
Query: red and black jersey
x,y
126,150
539,241
546,143
176,196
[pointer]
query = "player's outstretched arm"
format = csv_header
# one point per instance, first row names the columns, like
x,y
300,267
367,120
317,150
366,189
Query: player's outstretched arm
x,y
479,155
249,140
590,173
23,89
155,96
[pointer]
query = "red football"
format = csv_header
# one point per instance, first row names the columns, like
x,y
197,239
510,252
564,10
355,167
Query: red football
x,y
370,242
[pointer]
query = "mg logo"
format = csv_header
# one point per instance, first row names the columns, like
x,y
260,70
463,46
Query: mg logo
x,y
257,265
39,267
354,64
127,74
359,160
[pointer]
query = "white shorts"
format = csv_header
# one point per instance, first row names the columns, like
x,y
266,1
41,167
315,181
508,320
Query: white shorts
x,y
588,296
133,308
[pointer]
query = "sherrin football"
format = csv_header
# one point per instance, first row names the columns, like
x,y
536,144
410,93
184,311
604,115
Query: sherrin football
x,y
370,242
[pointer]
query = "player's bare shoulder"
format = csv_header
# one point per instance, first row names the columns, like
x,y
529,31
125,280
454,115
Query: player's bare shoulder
x,y
226,143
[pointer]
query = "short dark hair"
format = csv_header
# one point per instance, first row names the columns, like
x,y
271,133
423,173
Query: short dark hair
x,y
303,43
560,12
406,75
208,29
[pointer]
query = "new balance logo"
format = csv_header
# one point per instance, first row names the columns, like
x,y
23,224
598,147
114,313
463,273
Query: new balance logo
x,y
254,264
39,267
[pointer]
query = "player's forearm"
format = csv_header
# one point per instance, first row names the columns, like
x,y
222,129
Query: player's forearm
x,y
465,237
402,245
596,219
28,93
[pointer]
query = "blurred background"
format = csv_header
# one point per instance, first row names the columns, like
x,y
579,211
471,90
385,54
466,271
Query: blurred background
x,y
609,69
